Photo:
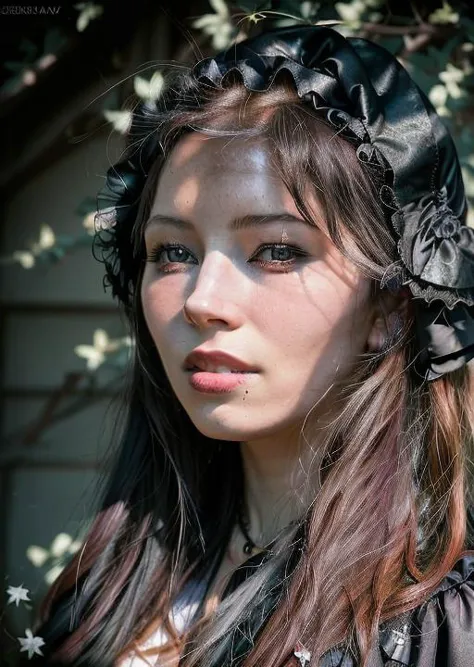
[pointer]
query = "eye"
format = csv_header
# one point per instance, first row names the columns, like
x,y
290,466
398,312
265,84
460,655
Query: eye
x,y
284,256
176,253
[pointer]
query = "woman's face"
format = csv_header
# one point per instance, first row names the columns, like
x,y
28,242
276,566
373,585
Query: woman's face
x,y
298,317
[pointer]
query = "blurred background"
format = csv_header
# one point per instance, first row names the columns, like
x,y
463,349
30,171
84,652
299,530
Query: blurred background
x,y
69,74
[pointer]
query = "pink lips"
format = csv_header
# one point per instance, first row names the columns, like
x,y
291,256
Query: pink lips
x,y
200,358
215,383
211,382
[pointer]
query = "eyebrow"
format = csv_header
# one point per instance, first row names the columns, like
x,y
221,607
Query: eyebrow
x,y
243,222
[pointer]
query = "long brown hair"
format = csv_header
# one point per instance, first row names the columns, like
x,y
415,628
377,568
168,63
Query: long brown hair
x,y
390,518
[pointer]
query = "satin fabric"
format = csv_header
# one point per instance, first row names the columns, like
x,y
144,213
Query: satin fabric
x,y
437,633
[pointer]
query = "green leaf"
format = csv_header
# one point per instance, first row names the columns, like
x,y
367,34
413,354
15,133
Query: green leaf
x,y
441,56
426,81
288,7
468,28
56,253
459,104
392,44
10,658
466,136
53,40
12,84
29,49
112,100
14,66
120,359
86,206
422,61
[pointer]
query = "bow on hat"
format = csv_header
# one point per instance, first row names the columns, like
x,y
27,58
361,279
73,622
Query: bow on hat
x,y
364,92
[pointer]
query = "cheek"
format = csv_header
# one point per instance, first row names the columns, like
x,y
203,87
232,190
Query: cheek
x,y
160,306
323,323
311,305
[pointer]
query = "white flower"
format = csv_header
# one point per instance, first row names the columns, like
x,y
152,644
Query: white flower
x,y
218,26
31,644
28,77
351,12
47,238
46,61
102,345
95,354
468,179
149,90
60,545
438,95
52,574
25,258
89,222
451,78
375,17
37,555
121,120
306,9
89,12
470,218
444,14
17,593
74,546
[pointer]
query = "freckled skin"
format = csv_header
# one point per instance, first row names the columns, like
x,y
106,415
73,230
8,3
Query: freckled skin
x,y
300,327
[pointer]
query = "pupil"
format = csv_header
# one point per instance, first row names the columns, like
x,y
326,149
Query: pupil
x,y
281,253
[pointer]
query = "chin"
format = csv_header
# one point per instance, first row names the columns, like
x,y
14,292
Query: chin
x,y
213,428
213,423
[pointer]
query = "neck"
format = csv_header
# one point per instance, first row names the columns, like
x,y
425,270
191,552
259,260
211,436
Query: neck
x,y
273,497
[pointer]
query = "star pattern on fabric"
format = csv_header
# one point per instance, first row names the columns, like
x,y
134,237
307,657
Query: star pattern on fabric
x,y
31,644
17,594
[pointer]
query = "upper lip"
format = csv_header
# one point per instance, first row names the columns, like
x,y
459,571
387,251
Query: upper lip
x,y
201,358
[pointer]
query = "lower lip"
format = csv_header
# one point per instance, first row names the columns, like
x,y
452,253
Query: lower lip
x,y
215,383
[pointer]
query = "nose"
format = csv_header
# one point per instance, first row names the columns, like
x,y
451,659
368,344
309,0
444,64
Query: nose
x,y
214,297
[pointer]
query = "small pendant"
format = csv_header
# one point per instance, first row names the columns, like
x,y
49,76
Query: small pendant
x,y
303,655
248,548
401,636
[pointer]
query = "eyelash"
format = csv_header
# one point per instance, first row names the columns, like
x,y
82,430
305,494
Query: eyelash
x,y
283,265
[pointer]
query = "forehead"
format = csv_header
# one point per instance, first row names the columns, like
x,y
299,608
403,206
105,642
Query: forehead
x,y
206,174
214,154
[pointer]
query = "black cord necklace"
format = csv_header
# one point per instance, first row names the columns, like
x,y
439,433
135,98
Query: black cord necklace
x,y
249,546
243,523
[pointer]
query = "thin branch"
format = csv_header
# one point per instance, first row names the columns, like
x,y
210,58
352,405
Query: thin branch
x,y
416,44
69,384
85,399
420,28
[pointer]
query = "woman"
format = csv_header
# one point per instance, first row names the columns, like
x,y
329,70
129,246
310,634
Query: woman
x,y
287,236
